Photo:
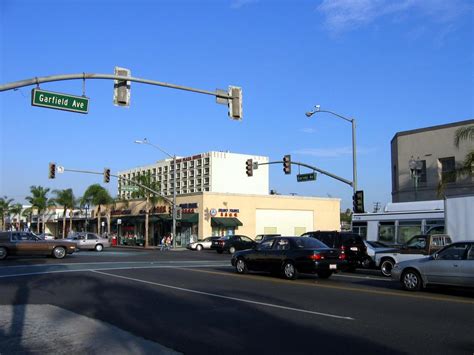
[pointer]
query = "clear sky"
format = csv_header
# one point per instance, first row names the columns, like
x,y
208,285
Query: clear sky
x,y
392,65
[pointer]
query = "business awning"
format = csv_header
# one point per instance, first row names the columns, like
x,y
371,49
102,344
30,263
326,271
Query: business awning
x,y
225,222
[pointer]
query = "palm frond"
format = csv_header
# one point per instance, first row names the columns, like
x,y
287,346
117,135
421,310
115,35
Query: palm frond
x,y
462,134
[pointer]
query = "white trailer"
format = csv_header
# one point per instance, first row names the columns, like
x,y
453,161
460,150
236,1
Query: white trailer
x,y
459,217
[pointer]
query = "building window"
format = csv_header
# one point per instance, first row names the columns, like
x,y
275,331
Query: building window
x,y
448,169
387,232
407,229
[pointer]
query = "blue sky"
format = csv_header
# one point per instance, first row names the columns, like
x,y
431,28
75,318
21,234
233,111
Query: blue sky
x,y
392,65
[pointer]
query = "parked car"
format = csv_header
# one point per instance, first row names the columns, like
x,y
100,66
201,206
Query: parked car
x,y
232,243
202,244
374,247
89,241
261,237
46,236
453,266
290,256
26,243
417,247
351,244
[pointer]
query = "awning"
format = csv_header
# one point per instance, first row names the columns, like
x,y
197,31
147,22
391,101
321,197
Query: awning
x,y
190,218
225,222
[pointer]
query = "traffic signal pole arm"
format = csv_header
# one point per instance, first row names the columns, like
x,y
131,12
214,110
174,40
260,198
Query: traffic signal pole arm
x,y
123,179
45,79
313,168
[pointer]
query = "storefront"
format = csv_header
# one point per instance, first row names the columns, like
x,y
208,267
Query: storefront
x,y
205,213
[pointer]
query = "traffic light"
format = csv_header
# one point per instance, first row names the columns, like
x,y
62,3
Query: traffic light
x,y
52,170
249,167
122,88
106,175
358,202
235,102
287,164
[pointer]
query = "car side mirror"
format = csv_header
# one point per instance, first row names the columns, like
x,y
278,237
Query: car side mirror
x,y
434,256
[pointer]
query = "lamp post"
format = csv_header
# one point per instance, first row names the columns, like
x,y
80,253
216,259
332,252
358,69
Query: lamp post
x,y
416,166
317,108
145,141
86,207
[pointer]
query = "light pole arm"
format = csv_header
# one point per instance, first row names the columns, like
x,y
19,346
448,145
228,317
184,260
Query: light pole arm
x,y
338,115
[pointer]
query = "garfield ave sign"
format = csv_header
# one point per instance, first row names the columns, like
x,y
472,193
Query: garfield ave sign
x,y
59,101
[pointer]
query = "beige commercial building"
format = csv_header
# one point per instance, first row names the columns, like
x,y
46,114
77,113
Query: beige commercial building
x,y
210,213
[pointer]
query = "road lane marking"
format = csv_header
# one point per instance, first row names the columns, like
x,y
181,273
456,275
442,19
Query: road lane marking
x,y
226,297
174,267
344,288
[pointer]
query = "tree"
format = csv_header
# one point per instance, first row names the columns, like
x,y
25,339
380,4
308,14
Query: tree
x,y
5,203
146,179
464,134
66,199
40,201
96,195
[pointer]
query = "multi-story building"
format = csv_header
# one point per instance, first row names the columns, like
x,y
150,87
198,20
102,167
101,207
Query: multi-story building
x,y
424,163
207,172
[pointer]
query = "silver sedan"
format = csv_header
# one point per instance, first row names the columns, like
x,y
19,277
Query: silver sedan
x,y
202,244
89,241
452,266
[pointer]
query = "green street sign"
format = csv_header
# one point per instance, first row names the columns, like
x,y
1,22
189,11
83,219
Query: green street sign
x,y
59,101
306,177
130,188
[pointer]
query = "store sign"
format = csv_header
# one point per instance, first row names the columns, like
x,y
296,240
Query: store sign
x,y
228,212
194,157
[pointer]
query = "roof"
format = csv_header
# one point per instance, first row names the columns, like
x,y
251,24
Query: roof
x,y
433,128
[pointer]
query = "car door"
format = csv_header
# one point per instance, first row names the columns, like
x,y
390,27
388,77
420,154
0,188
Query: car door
x,y
260,260
81,241
278,253
446,267
467,268
25,244
91,240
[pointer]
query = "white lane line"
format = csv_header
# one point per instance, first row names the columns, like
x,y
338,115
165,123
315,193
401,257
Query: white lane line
x,y
226,297
365,277
113,268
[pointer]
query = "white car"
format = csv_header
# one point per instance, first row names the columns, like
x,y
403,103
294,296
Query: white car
x,y
47,236
202,244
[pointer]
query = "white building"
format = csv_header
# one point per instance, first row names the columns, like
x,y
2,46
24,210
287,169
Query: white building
x,y
221,172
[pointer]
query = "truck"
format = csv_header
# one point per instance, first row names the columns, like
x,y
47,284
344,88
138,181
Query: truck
x,y
459,217
417,247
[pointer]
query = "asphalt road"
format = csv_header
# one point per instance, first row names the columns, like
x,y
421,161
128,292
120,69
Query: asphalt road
x,y
194,303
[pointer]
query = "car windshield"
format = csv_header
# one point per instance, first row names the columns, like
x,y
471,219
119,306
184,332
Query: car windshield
x,y
351,238
306,242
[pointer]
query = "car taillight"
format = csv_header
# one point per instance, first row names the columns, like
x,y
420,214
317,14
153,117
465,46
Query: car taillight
x,y
221,242
316,257
342,256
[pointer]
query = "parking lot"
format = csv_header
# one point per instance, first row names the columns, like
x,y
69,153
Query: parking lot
x,y
194,302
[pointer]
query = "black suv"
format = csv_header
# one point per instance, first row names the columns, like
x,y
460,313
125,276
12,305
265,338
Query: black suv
x,y
351,244
232,243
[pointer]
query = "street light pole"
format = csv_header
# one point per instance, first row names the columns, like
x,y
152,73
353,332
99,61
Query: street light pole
x,y
145,141
317,108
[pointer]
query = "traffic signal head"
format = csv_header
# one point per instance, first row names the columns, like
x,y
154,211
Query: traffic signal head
x,y
52,170
249,167
235,102
122,88
287,164
358,202
106,175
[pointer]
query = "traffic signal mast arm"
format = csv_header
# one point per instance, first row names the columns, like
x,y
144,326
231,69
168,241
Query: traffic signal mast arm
x,y
123,179
313,168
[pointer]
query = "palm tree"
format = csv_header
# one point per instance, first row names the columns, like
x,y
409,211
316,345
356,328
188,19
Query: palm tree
x,y
96,195
151,198
4,209
40,201
66,199
464,134
16,209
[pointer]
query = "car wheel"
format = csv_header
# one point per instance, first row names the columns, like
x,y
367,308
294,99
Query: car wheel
x,y
59,252
3,253
241,266
324,274
411,280
219,251
289,271
366,263
199,247
232,250
386,267
99,247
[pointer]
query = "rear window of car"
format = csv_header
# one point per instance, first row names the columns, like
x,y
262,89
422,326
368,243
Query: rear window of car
x,y
351,239
305,242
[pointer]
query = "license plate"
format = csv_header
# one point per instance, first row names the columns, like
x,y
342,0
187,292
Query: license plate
x,y
332,266
354,248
